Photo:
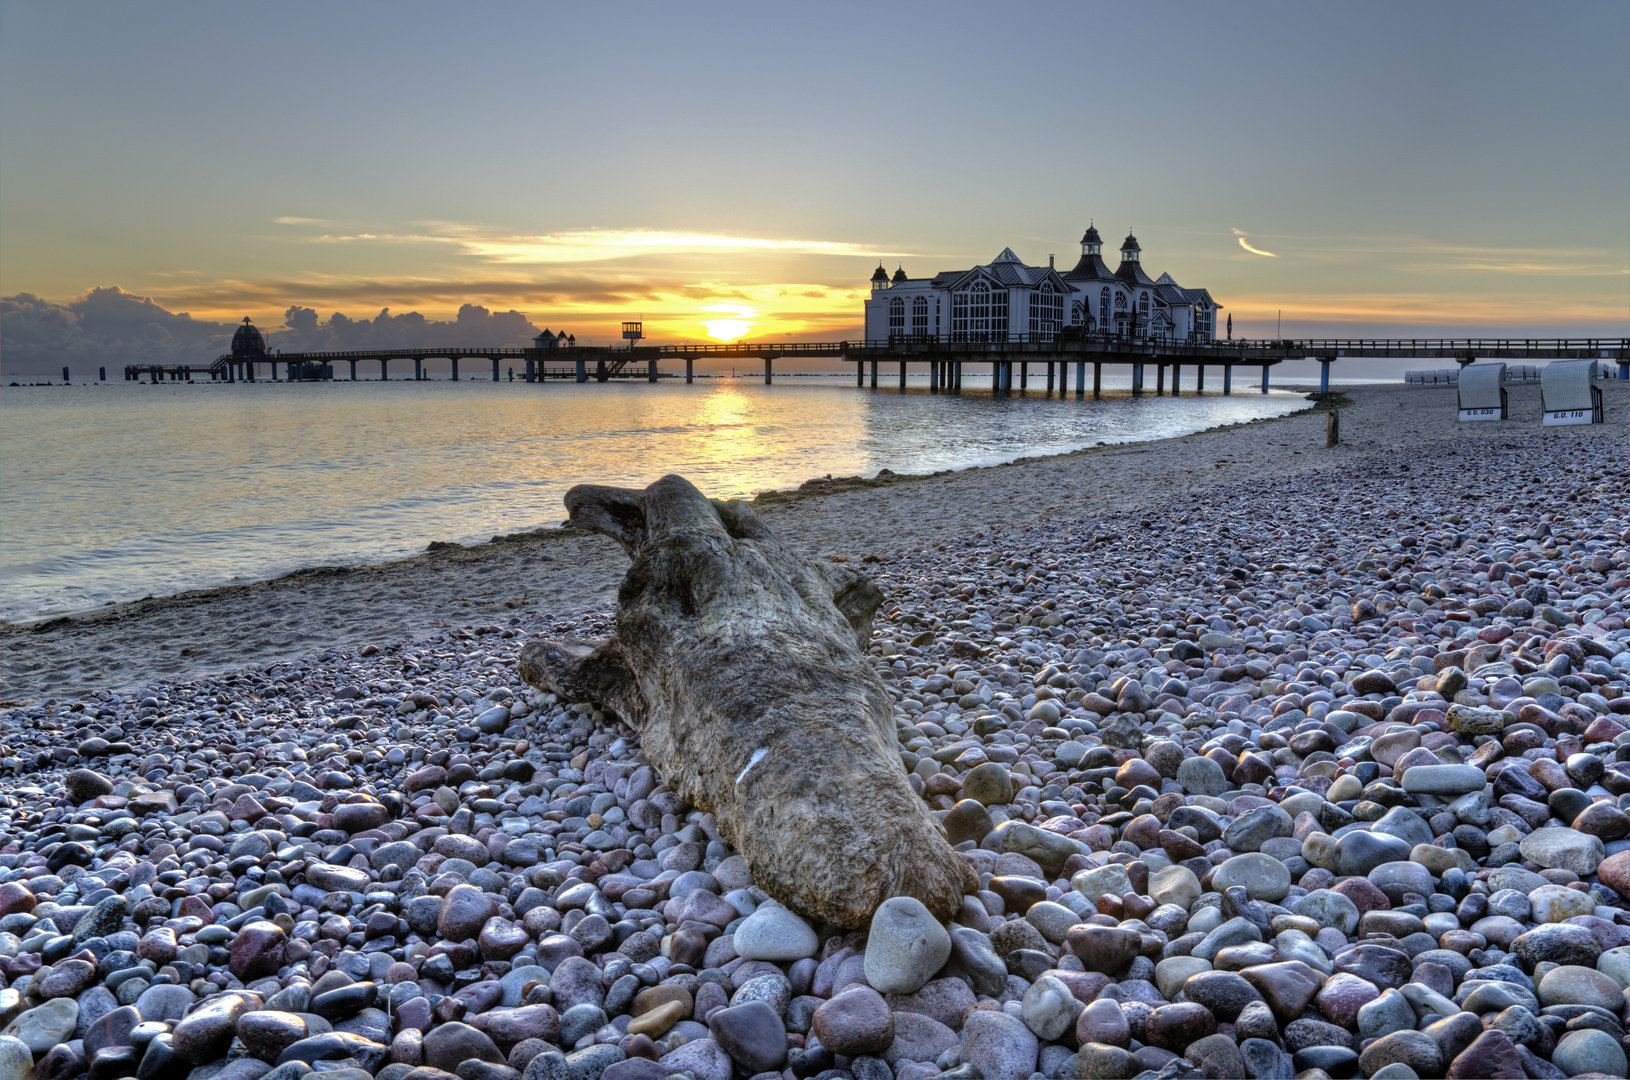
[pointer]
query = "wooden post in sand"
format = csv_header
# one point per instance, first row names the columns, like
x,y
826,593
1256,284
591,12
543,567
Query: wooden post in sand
x,y
1332,428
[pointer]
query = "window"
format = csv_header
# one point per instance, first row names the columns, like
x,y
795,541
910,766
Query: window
x,y
897,317
1046,310
919,317
1202,323
1103,309
979,313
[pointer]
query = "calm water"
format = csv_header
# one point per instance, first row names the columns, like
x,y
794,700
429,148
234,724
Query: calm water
x,y
120,491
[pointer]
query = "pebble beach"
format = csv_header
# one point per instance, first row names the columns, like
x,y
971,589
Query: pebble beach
x,y
1272,760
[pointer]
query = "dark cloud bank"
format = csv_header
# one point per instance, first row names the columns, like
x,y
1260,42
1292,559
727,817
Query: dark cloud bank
x,y
108,327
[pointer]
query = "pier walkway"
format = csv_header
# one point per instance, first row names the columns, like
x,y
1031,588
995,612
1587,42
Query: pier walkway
x,y
1005,362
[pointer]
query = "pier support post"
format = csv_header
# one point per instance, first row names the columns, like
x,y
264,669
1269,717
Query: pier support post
x,y
1264,378
1097,380
957,374
64,374
1324,376
860,374
874,374
455,368
769,372
1160,380
102,374
495,369
690,370
1200,379
651,372
1228,380
274,371
353,371
529,371
1024,374
1137,380
600,373
1049,378
582,370
902,376
1177,375
418,370
1007,377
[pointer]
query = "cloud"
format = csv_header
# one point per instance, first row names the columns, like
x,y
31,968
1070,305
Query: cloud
x,y
1423,255
303,330
109,327
587,245
1248,247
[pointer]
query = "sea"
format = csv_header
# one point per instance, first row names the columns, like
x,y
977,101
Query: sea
x,y
119,491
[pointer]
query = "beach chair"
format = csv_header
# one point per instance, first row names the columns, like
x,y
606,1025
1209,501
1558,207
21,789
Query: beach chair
x,y
1482,392
1568,395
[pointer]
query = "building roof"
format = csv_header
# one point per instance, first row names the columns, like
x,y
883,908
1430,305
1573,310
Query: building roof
x,y
247,341
899,274
1091,236
1091,268
1131,271
1130,243
880,274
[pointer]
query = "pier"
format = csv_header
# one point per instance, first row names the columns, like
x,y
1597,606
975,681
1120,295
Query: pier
x,y
1000,366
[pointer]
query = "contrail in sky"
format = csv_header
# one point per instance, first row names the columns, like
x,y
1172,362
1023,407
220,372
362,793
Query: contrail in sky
x,y
1252,250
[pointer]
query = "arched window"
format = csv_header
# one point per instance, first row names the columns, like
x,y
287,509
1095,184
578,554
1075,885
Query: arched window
x,y
979,313
919,317
1103,308
1046,309
897,317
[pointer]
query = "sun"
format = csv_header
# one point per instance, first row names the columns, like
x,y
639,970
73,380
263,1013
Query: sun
x,y
732,328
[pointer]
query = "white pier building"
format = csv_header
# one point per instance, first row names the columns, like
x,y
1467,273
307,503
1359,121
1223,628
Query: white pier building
x,y
1007,300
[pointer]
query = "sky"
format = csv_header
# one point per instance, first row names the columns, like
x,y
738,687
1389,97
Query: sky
x,y
716,170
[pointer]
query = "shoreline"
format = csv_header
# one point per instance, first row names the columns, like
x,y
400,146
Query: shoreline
x,y
772,497
560,573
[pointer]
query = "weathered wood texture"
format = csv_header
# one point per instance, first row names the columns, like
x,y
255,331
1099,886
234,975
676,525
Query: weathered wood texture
x,y
741,664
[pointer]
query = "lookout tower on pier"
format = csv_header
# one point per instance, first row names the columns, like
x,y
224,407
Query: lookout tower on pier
x,y
247,343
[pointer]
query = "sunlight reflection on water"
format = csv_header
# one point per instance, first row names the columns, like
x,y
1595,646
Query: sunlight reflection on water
x,y
122,490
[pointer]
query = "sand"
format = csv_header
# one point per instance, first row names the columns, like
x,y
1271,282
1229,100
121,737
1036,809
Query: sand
x,y
309,613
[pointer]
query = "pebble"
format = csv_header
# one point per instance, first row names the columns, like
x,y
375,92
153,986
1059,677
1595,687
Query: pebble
x,y
904,947
1267,803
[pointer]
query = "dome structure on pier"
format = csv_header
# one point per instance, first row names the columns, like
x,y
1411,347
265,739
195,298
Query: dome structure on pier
x,y
247,342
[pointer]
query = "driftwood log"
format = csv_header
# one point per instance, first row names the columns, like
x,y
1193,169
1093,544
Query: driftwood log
x,y
740,662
